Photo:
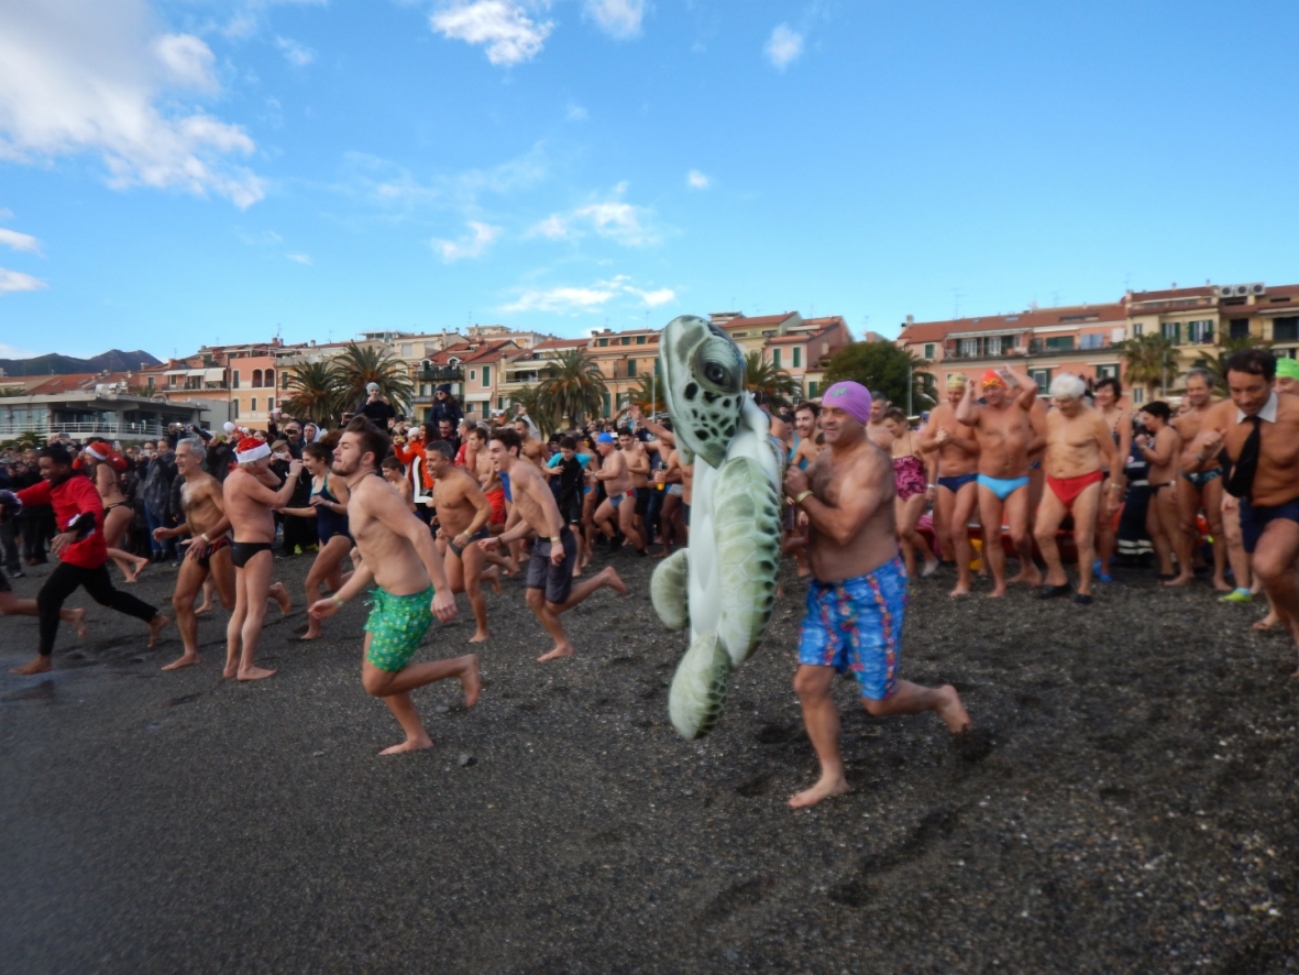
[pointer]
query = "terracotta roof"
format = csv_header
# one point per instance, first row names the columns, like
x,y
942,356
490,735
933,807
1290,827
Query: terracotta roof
x,y
793,338
1040,318
560,344
1203,291
759,320
825,320
492,351
61,384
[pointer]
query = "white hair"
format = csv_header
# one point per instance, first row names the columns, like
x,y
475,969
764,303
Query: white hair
x,y
1067,386
196,447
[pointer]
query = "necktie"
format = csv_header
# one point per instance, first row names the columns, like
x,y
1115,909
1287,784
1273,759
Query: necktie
x,y
1242,478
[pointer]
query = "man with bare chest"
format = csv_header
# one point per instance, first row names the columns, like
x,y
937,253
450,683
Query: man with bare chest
x,y
398,554
620,500
1200,488
554,553
857,598
1257,431
1079,449
957,487
463,513
249,499
877,431
208,553
530,448
1003,428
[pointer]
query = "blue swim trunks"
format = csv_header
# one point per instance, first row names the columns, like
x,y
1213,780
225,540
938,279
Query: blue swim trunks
x,y
1002,487
857,625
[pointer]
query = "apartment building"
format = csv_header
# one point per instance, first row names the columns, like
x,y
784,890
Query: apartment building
x,y
804,349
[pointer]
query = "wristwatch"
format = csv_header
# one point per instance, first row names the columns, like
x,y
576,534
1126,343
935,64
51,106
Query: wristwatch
x,y
801,496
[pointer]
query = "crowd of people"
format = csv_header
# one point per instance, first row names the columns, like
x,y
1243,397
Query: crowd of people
x,y
418,513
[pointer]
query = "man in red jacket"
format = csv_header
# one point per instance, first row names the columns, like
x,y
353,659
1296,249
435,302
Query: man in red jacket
x,y
79,545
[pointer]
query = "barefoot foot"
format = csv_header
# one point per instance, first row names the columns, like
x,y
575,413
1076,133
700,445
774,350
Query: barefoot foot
x,y
281,596
1182,580
254,673
824,789
614,581
184,660
38,666
480,636
409,745
77,617
959,591
952,711
156,626
471,681
565,650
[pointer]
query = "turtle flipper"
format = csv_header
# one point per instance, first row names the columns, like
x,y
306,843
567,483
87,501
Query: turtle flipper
x,y
699,687
668,590
747,534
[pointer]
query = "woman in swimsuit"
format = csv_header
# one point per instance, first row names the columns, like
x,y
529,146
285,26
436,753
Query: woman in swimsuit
x,y
329,508
912,492
102,464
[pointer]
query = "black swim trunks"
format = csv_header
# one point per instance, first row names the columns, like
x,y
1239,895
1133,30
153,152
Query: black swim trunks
x,y
477,536
556,580
216,545
242,552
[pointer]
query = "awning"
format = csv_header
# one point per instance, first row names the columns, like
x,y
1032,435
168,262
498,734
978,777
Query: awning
x,y
214,375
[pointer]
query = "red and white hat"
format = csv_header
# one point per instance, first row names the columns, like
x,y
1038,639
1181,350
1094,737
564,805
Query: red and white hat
x,y
251,449
98,450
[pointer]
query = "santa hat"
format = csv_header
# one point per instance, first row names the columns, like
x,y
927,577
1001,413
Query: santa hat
x,y
98,450
251,449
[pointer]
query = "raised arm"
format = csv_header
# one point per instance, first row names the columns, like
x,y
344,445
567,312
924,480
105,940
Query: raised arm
x,y
861,496
967,411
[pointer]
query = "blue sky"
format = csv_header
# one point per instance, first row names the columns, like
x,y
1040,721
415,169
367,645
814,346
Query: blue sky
x,y
185,172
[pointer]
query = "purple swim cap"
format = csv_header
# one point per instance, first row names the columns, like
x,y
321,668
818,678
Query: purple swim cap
x,y
852,398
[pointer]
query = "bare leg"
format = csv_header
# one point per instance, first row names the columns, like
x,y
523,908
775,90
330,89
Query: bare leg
x,y
257,589
328,559
990,515
1213,516
115,524
395,689
821,718
1158,536
1047,523
960,507
10,605
627,522
914,698
471,568
209,589
235,625
191,578
1085,509
1018,517
1274,564
281,596
1237,557
1187,501
548,612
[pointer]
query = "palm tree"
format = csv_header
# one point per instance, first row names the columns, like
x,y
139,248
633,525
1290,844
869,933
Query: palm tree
x,y
574,388
762,377
533,399
1152,360
1216,365
359,366
314,394
650,395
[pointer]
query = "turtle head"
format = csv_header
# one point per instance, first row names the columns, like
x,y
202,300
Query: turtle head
x,y
705,377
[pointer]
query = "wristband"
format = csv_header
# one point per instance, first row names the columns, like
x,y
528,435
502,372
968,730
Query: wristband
x,y
206,540
335,598
556,539
801,496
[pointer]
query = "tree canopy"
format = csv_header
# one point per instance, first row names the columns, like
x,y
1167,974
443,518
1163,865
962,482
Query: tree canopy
x,y
883,367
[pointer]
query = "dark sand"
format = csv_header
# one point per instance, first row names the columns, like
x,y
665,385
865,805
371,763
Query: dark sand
x,y
1128,803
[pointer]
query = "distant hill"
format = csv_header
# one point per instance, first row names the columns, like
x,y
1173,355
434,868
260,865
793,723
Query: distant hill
x,y
114,360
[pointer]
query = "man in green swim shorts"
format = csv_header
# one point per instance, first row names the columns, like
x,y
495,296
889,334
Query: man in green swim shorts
x,y
399,555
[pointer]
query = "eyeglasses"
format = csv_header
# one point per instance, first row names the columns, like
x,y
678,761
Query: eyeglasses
x,y
294,432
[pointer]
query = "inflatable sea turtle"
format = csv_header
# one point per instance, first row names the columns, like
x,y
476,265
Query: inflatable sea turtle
x,y
724,584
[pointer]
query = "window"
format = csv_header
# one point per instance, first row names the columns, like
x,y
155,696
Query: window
x,y
605,397
500,402
473,374
236,382
626,340
603,342
284,380
1138,395
1172,331
969,348
770,332
1042,377
1107,371
775,358
631,368
405,350
1060,343
270,378
811,389
640,340
1138,330
1285,329
257,377
993,345
487,375
798,357
1239,328
1200,332
252,407
270,403
1096,340
234,405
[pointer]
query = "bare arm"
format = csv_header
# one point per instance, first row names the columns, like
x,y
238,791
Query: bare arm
x,y
482,511
967,411
860,497
387,507
1161,452
262,494
1125,444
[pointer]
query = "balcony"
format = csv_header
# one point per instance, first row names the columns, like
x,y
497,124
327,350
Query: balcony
x,y
1008,353
439,374
84,429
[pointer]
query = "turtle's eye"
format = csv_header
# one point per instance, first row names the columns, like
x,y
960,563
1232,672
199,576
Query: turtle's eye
x,y
714,373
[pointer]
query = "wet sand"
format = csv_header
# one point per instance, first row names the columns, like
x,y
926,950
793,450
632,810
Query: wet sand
x,y
1128,803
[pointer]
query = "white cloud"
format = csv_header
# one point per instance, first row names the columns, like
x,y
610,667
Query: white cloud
x,y
617,18
19,242
570,300
13,352
299,258
784,47
697,180
504,26
618,221
554,227
86,76
17,281
575,113
187,61
298,55
473,244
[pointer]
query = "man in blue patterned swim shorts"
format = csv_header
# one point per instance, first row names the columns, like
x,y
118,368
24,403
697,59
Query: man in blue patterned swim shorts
x,y
858,596
399,555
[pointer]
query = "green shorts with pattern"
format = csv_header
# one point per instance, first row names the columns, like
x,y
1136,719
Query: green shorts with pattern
x,y
397,625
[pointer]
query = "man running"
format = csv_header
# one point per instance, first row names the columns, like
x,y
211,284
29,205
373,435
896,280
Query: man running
x,y
1079,449
1201,487
554,553
858,595
249,500
209,549
81,551
620,500
1004,430
957,481
463,512
397,553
